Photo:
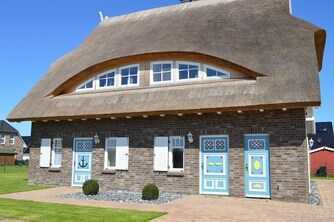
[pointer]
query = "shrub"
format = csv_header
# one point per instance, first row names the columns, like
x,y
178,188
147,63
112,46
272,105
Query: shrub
x,y
22,162
150,192
322,171
90,187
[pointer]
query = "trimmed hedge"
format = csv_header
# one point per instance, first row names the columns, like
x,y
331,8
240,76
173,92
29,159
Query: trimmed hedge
x,y
90,187
150,192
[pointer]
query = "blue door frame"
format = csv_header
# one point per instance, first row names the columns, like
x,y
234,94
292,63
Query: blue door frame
x,y
257,166
214,169
82,160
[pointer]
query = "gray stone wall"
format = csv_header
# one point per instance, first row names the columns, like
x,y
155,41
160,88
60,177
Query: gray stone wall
x,y
288,150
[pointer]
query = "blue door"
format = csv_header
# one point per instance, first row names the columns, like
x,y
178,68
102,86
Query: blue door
x,y
82,161
214,165
257,171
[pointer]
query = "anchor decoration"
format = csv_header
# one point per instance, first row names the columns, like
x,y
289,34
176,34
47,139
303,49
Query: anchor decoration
x,y
83,163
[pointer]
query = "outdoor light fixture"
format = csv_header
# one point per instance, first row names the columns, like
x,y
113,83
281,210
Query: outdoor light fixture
x,y
190,137
96,139
311,142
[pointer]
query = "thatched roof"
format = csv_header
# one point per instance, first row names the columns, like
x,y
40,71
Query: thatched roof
x,y
259,35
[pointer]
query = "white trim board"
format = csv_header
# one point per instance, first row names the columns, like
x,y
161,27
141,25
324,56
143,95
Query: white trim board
x,y
322,148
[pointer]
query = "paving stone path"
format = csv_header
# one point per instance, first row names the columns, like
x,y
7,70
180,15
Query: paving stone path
x,y
196,208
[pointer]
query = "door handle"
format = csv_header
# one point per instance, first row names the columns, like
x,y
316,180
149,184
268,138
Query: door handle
x,y
246,167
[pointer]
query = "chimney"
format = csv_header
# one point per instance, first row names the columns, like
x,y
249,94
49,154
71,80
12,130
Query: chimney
x,y
185,1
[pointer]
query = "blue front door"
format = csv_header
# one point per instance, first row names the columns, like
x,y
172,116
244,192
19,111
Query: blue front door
x,y
257,173
82,161
214,165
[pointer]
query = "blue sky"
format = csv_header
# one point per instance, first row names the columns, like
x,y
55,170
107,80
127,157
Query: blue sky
x,y
34,33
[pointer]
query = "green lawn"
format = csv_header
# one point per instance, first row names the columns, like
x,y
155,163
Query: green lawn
x,y
322,178
14,179
40,212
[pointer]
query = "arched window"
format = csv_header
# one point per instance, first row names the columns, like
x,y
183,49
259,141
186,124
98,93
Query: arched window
x,y
88,85
213,72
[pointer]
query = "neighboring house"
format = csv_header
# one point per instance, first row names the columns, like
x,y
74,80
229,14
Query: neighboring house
x,y
206,97
26,148
11,144
322,148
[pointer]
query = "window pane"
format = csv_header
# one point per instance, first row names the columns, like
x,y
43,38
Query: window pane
x,y
89,84
111,75
125,72
111,82
193,73
166,76
112,157
133,79
58,158
178,158
166,67
157,68
221,74
210,72
102,82
183,74
156,77
124,80
193,67
183,67
133,70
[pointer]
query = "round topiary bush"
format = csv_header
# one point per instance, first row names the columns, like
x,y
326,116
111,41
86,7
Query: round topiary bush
x,y
150,192
90,187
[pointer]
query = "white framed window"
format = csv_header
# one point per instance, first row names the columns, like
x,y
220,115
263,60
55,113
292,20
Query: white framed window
x,y
88,85
169,153
176,153
161,72
110,153
57,153
11,139
106,80
188,71
116,155
129,75
2,139
215,73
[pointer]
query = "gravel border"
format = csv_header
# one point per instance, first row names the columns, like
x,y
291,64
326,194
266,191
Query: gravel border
x,y
314,196
123,196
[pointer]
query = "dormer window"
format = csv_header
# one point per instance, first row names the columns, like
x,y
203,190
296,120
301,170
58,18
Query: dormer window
x,y
88,85
129,75
188,70
161,72
106,80
212,72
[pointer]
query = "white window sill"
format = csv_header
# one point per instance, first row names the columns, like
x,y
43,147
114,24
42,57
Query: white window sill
x,y
54,169
109,171
175,173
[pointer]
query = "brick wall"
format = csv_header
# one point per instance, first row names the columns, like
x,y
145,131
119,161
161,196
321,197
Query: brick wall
x,y
287,143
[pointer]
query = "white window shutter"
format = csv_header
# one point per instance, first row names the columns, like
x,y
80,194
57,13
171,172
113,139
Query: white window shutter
x,y
45,153
160,161
122,153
